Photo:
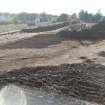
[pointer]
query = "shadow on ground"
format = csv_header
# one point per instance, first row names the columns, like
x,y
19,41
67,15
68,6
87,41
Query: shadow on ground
x,y
83,80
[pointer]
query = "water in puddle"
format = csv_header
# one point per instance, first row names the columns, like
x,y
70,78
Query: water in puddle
x,y
14,95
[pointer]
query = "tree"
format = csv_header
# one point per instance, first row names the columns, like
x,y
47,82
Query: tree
x,y
81,14
98,15
15,20
63,17
44,17
86,17
74,16
26,17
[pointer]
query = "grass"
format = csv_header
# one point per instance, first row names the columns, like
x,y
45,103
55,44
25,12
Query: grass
x,y
12,27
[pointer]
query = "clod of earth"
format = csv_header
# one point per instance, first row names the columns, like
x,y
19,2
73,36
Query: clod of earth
x,y
84,81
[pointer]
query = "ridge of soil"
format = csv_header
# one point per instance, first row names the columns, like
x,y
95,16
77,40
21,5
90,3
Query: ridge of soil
x,y
84,81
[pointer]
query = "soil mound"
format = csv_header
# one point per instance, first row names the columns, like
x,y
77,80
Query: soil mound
x,y
99,27
46,28
83,35
84,81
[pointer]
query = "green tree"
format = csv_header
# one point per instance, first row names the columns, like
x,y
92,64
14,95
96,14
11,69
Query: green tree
x,y
98,15
15,20
86,17
63,17
44,17
74,16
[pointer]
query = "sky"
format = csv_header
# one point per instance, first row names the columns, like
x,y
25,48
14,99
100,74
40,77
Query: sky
x,y
52,6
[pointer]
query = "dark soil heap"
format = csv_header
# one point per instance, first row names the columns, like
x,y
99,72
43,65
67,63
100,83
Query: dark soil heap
x,y
84,81
46,28
99,27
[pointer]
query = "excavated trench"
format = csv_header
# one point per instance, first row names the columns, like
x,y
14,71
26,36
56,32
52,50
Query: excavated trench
x,y
84,81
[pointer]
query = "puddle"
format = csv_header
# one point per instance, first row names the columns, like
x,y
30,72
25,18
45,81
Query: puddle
x,y
14,95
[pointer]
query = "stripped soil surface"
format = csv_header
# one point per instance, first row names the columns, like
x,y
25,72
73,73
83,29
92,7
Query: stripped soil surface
x,y
48,48
55,63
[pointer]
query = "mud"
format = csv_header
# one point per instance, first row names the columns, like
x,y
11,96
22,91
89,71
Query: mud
x,y
84,81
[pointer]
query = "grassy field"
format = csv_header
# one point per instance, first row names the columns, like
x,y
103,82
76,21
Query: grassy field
x,y
11,27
